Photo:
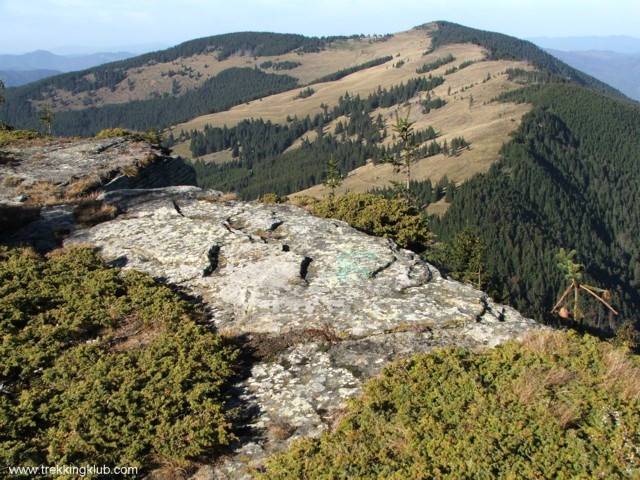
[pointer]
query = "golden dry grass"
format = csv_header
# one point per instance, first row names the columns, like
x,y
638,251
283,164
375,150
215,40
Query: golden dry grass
x,y
546,342
438,208
10,180
89,212
42,192
622,373
484,123
280,429
565,413
219,158
83,186
166,470
228,197
528,387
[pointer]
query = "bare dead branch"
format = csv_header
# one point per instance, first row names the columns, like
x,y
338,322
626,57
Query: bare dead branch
x,y
603,301
564,295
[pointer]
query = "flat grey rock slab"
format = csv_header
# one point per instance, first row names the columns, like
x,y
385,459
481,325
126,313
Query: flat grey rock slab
x,y
347,303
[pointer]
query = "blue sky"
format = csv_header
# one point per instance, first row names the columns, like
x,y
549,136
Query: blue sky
x,y
27,25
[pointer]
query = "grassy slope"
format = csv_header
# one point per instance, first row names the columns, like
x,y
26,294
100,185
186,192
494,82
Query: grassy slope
x,y
485,124
153,78
410,46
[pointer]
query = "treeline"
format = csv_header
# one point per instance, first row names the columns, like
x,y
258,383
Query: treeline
x,y
423,193
568,178
430,103
427,67
292,171
229,88
250,43
256,138
502,46
385,98
262,165
284,65
519,75
256,173
332,77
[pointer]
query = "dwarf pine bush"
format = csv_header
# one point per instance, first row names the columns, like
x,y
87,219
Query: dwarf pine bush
x,y
390,218
554,406
100,367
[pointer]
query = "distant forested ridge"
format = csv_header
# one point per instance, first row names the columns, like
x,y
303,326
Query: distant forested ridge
x,y
505,47
332,77
570,177
229,88
165,111
245,43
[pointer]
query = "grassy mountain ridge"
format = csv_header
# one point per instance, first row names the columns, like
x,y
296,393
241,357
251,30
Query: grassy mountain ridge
x,y
162,76
502,46
168,74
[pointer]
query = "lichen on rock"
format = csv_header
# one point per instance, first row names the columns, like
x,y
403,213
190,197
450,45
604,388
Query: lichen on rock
x,y
347,303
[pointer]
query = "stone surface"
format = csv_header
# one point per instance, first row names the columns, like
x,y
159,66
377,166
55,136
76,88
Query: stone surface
x,y
115,162
41,181
325,306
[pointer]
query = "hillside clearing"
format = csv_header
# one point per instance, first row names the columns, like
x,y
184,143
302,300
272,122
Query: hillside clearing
x,y
468,113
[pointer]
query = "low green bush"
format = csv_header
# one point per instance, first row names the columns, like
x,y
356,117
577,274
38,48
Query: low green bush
x,y
379,216
103,367
555,406
153,136
8,136
114,133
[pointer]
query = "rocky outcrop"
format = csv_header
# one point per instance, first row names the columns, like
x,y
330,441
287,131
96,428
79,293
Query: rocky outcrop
x,y
323,305
108,164
42,181
319,306
112,163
